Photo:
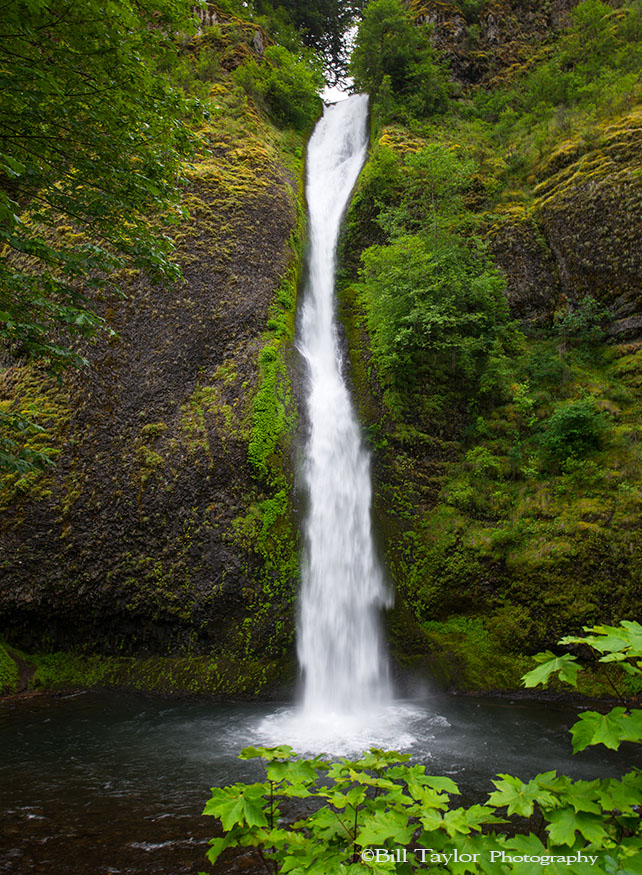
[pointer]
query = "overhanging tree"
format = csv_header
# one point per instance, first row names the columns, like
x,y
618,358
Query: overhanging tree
x,y
91,143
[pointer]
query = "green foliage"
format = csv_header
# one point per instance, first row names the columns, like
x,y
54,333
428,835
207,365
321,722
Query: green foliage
x,y
591,72
433,181
431,310
616,647
322,25
286,86
8,672
547,366
585,323
575,429
357,814
393,59
481,461
91,142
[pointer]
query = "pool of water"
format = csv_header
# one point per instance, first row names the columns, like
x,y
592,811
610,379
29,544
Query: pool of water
x,y
113,782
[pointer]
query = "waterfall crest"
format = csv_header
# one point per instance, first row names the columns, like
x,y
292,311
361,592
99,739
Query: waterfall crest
x,y
339,642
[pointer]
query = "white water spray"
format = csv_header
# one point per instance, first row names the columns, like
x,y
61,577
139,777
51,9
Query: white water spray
x,y
339,644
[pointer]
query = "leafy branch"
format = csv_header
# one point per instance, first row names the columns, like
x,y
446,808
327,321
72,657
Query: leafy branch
x,y
396,804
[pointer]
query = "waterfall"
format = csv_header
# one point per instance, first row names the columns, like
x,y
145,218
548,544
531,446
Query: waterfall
x,y
339,643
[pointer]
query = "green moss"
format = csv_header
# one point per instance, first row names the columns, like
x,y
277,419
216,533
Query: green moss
x,y
223,676
273,411
153,430
45,402
467,656
207,407
8,672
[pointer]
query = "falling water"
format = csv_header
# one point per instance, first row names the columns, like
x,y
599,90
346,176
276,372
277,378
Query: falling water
x,y
339,644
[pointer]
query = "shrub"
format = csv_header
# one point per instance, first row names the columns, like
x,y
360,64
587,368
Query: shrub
x,y
547,366
576,428
585,322
391,50
287,87
431,310
482,462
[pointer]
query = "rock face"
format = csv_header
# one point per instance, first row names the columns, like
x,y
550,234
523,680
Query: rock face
x,y
484,40
580,237
155,534
530,267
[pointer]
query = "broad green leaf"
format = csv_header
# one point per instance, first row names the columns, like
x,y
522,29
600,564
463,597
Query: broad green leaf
x,y
282,752
620,794
379,827
594,728
241,803
431,819
518,796
563,823
463,820
631,726
566,666
447,785
295,771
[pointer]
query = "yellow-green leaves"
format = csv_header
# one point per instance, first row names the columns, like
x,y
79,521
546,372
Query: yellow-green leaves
x,y
518,797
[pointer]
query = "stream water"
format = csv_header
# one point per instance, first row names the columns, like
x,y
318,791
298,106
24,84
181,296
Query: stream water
x,y
110,782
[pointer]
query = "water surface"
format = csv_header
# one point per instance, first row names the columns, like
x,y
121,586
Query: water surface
x,y
111,782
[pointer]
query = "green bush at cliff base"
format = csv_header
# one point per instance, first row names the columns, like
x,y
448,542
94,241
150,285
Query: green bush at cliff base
x,y
575,429
8,673
583,324
381,801
432,309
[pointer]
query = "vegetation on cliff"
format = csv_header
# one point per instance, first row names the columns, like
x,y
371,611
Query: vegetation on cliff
x,y
91,141
507,464
165,531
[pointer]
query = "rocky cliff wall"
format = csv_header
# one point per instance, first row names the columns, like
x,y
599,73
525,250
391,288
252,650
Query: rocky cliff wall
x,y
166,527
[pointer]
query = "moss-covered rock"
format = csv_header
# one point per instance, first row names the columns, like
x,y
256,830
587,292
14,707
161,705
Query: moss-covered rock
x,y
222,676
490,40
165,529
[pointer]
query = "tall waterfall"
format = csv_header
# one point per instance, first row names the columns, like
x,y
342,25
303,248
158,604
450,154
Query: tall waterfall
x,y
339,642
